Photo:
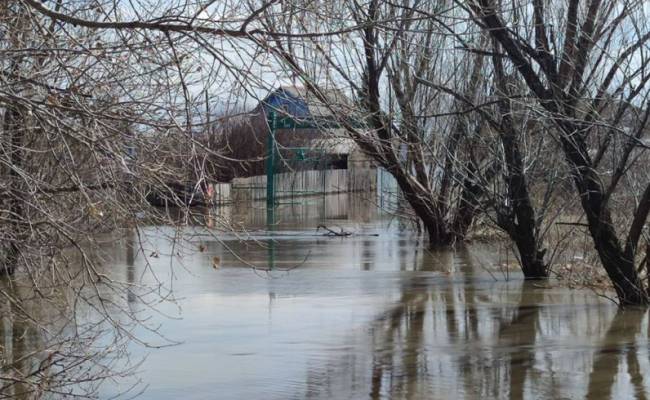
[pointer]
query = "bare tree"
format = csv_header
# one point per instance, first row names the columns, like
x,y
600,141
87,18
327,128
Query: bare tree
x,y
427,122
385,55
99,106
586,67
518,218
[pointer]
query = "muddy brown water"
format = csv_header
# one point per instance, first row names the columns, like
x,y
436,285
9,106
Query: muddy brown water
x,y
370,316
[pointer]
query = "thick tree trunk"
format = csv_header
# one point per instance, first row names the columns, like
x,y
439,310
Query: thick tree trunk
x,y
619,266
524,228
468,205
423,207
532,259
521,223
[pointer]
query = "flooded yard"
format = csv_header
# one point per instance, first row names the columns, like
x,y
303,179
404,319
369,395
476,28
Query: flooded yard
x,y
374,315
369,316
141,141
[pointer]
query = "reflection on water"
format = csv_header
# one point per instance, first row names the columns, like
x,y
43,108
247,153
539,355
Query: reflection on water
x,y
18,338
371,316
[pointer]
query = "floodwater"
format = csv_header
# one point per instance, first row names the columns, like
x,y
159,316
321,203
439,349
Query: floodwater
x,y
368,316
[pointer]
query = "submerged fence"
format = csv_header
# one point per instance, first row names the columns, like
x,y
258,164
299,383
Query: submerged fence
x,y
305,183
309,183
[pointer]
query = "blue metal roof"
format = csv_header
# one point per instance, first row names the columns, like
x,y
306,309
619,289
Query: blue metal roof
x,y
283,101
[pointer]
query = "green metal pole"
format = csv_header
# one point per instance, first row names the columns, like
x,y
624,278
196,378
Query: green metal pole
x,y
270,161
270,185
271,254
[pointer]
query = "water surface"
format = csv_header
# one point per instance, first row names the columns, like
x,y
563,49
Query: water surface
x,y
369,316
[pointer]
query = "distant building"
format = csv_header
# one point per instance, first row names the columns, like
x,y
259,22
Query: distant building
x,y
242,139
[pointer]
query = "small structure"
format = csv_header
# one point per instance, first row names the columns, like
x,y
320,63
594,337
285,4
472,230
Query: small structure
x,y
243,137
305,137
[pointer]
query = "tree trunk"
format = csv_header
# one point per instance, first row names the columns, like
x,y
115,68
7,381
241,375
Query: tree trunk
x,y
422,205
468,205
619,267
524,227
521,223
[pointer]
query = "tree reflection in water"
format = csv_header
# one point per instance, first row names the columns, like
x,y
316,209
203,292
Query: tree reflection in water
x,y
18,338
467,337
618,352
417,325
59,345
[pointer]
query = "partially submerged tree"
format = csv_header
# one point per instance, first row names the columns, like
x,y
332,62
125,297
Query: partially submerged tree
x,y
500,134
518,217
386,54
587,67
427,124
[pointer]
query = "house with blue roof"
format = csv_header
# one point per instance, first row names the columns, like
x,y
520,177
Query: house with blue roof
x,y
242,138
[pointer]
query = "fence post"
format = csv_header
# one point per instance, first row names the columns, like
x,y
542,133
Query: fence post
x,y
270,160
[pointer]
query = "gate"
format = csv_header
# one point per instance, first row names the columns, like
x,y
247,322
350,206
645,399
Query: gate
x,y
303,168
